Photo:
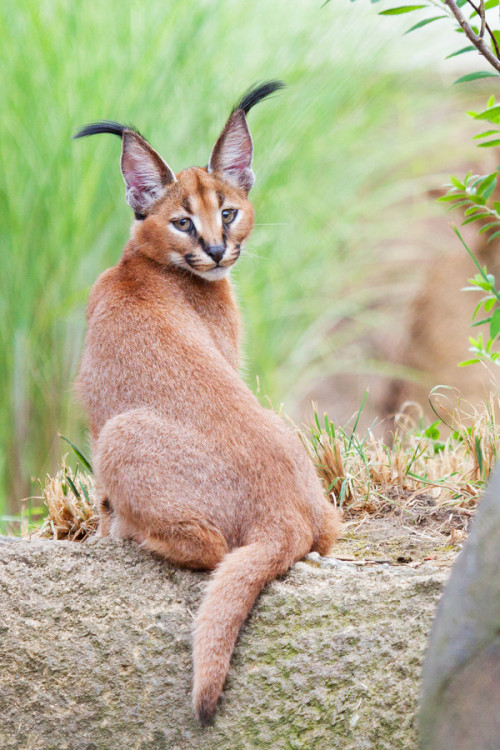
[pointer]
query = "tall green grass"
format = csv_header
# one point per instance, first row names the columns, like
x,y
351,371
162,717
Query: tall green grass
x,y
332,154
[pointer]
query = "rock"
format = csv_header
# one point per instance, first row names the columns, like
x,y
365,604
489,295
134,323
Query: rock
x,y
95,655
461,686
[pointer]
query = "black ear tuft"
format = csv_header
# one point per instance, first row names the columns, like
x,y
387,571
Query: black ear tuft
x,y
255,94
103,126
232,154
145,173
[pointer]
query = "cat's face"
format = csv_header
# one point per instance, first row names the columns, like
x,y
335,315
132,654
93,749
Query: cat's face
x,y
199,224
198,219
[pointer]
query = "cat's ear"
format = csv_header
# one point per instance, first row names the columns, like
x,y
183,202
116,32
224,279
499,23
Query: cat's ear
x,y
145,173
231,156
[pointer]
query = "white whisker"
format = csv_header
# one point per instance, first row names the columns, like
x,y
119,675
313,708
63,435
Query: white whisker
x,y
255,255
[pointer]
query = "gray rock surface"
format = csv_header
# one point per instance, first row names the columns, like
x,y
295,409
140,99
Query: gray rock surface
x,y
461,687
95,654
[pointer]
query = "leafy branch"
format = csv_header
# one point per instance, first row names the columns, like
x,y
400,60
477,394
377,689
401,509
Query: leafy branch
x,y
484,39
475,196
475,193
473,34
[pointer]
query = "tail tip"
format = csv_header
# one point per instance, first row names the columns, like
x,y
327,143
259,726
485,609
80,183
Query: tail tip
x,y
204,707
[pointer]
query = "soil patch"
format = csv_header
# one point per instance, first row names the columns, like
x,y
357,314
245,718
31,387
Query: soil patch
x,y
416,531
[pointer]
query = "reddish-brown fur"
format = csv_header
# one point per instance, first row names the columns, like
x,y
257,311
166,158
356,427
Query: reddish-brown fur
x,y
188,463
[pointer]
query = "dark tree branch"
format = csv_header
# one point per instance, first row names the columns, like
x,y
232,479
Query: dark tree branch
x,y
478,43
492,35
483,18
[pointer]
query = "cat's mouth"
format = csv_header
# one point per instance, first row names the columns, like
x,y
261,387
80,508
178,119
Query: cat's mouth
x,y
212,272
200,267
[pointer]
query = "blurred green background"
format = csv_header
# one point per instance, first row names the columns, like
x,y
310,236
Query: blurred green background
x,y
338,157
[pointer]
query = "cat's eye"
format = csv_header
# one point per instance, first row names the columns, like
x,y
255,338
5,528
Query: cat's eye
x,y
185,225
229,215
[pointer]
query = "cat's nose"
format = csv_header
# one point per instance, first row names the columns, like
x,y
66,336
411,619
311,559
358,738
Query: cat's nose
x,y
216,252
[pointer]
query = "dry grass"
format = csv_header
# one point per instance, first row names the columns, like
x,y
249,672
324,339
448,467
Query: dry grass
x,y
70,502
364,477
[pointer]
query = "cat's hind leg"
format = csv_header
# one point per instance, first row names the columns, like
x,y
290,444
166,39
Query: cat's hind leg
x,y
146,468
189,544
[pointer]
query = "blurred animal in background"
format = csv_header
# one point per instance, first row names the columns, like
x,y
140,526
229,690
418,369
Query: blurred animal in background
x,y
438,330
426,340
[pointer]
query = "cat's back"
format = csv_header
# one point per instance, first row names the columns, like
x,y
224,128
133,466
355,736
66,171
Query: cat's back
x,y
131,286
148,345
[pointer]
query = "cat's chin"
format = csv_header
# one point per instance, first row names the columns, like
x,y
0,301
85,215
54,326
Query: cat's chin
x,y
214,274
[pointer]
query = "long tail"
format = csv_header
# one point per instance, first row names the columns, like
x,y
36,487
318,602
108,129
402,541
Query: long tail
x,y
231,593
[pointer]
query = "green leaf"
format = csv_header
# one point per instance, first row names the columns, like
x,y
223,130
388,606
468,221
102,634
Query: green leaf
x,y
478,306
479,453
496,34
433,431
494,236
401,9
487,185
476,210
495,324
450,197
468,362
490,113
84,460
85,492
470,48
480,322
471,219
489,279
489,303
478,199
485,134
475,76
456,183
488,144
488,226
423,23
73,487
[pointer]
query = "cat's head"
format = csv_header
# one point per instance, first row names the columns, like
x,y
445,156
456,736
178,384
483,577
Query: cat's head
x,y
197,219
